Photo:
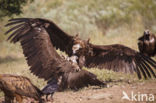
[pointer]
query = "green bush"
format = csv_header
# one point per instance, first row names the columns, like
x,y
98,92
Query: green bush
x,y
11,7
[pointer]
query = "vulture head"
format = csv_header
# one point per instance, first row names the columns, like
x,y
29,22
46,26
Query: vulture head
x,y
146,35
81,47
147,43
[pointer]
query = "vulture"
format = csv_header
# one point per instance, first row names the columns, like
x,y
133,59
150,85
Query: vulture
x,y
40,52
18,86
147,43
43,59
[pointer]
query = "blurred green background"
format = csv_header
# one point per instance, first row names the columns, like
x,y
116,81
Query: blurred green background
x,y
104,21
93,17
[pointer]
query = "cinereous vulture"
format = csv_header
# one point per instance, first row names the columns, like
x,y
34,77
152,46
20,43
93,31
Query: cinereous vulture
x,y
114,57
43,59
147,43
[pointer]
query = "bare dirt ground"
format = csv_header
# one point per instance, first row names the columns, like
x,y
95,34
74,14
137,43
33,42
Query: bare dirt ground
x,y
112,94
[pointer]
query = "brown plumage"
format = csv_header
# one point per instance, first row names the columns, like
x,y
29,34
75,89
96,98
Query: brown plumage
x,y
42,57
147,43
18,86
115,57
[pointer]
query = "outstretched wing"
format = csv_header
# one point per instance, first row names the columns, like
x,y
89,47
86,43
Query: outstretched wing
x,y
43,59
121,59
37,48
58,37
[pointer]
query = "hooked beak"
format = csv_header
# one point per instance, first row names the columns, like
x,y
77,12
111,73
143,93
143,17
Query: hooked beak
x,y
75,48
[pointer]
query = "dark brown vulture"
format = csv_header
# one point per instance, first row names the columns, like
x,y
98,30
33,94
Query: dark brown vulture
x,y
18,86
115,57
147,43
42,57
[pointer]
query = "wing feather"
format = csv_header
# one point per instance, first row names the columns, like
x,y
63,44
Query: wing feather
x,y
13,28
137,70
150,61
37,48
145,69
60,39
12,23
150,69
120,59
142,70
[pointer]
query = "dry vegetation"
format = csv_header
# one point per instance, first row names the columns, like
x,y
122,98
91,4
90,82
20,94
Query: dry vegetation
x,y
103,21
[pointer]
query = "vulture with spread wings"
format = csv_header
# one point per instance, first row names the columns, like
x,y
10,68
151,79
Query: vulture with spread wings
x,y
115,57
42,57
